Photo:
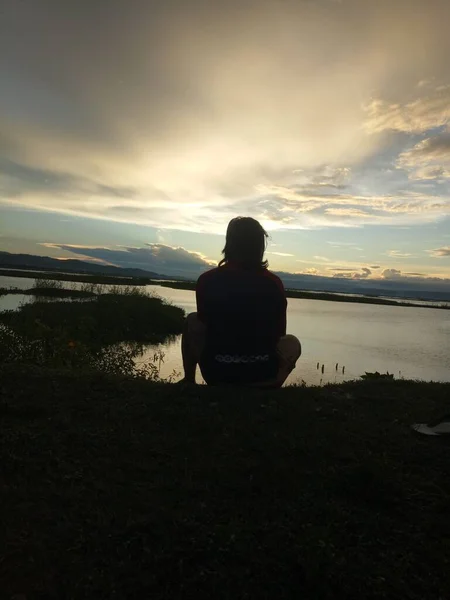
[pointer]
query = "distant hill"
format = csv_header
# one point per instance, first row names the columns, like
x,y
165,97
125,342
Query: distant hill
x,y
46,263
431,289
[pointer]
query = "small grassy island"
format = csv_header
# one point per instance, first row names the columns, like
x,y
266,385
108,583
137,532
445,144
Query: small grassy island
x,y
94,327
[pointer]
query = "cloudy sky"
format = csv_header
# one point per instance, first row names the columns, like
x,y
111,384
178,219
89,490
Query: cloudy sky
x,y
131,131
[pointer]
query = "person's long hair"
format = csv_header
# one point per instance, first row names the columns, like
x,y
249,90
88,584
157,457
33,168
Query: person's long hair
x,y
245,244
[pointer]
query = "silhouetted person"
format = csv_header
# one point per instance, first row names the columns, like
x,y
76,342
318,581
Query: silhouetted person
x,y
238,334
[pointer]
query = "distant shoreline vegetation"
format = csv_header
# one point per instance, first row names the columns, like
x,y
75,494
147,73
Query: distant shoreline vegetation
x,y
327,296
79,277
94,280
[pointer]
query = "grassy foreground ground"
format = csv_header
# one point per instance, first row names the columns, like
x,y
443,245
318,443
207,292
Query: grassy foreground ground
x,y
120,488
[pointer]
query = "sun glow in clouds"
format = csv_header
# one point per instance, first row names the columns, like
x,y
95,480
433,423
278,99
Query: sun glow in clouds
x,y
309,116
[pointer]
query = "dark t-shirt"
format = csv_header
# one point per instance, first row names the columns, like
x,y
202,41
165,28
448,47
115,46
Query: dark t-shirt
x,y
245,315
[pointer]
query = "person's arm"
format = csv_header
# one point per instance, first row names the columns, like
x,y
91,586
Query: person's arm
x,y
200,297
281,305
283,311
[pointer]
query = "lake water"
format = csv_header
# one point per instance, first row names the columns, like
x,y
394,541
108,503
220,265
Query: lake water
x,y
410,342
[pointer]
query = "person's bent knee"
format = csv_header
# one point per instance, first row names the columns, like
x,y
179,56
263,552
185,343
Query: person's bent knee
x,y
194,336
193,323
192,317
296,345
289,345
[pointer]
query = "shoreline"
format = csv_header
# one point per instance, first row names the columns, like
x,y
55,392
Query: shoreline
x,y
326,296
190,286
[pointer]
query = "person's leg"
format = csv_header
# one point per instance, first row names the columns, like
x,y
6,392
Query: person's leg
x,y
289,351
192,342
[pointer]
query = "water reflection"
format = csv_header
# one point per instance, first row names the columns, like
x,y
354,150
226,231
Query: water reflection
x,y
13,301
409,342
305,372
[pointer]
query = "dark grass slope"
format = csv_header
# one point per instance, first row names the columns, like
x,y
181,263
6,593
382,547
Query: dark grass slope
x,y
127,489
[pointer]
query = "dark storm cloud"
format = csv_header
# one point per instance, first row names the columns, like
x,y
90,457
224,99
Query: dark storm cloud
x,y
159,258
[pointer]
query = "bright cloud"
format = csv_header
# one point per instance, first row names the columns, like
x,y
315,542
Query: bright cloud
x,y
311,271
398,254
428,159
439,252
391,274
296,206
416,116
169,124
349,272
348,212
180,115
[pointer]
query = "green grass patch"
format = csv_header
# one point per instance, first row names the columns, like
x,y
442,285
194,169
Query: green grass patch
x,y
107,333
121,488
